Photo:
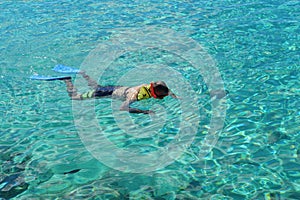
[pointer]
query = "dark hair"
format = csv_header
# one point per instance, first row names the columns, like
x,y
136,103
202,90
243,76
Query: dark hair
x,y
161,86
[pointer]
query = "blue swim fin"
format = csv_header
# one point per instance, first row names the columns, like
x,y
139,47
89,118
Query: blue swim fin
x,y
48,78
65,69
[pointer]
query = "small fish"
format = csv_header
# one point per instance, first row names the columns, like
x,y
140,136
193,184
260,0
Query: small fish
x,y
73,171
276,137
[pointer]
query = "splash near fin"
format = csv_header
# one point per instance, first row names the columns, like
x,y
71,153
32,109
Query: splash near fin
x,y
65,69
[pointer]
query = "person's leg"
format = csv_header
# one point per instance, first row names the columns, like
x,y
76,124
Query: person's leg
x,y
92,83
72,92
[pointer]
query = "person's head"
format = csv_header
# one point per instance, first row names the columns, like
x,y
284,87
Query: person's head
x,y
159,89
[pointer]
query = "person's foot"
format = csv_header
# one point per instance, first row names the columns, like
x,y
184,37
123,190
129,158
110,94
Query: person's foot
x,y
81,72
65,78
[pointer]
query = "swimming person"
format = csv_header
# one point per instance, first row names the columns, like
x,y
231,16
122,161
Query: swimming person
x,y
157,90
129,95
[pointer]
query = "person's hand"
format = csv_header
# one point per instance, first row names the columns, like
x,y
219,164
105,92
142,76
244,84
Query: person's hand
x,y
174,96
177,97
149,112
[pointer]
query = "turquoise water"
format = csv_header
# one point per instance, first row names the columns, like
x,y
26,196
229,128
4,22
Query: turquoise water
x,y
255,45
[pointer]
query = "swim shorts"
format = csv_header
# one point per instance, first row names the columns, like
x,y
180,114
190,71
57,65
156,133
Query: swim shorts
x,y
100,91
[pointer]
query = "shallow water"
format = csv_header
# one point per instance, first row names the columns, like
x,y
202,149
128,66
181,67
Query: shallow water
x,y
255,46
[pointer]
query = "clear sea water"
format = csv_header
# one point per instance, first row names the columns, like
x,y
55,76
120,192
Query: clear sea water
x,y
256,45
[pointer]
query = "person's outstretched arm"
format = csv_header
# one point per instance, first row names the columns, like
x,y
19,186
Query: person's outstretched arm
x,y
172,94
126,107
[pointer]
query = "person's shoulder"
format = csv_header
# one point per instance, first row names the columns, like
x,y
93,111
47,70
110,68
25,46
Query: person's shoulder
x,y
138,87
133,91
143,85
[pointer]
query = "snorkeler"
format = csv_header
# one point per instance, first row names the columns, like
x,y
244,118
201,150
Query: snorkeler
x,y
157,90
129,95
